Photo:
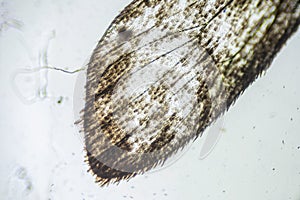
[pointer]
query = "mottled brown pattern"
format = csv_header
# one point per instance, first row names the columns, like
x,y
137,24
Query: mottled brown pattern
x,y
165,70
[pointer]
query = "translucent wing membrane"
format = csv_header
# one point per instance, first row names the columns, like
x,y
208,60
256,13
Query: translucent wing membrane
x,y
165,70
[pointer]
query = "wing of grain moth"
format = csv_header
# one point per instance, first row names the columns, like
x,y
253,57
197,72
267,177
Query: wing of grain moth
x,y
164,71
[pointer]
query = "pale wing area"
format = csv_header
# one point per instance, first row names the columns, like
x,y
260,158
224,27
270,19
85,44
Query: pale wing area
x,y
165,70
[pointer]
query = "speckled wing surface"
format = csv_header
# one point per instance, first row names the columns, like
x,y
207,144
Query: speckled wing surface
x,y
166,69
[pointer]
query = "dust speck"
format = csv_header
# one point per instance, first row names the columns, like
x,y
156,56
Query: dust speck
x,y
60,99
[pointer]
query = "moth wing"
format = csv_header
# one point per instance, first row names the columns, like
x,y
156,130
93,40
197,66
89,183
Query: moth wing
x,y
150,91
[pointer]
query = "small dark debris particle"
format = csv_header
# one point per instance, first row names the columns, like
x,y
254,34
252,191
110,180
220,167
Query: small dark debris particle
x,y
132,187
165,194
283,86
298,147
131,197
291,119
59,101
297,108
253,127
282,141
273,169
154,194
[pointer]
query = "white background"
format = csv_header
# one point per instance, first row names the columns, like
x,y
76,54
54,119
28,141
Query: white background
x,y
41,151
